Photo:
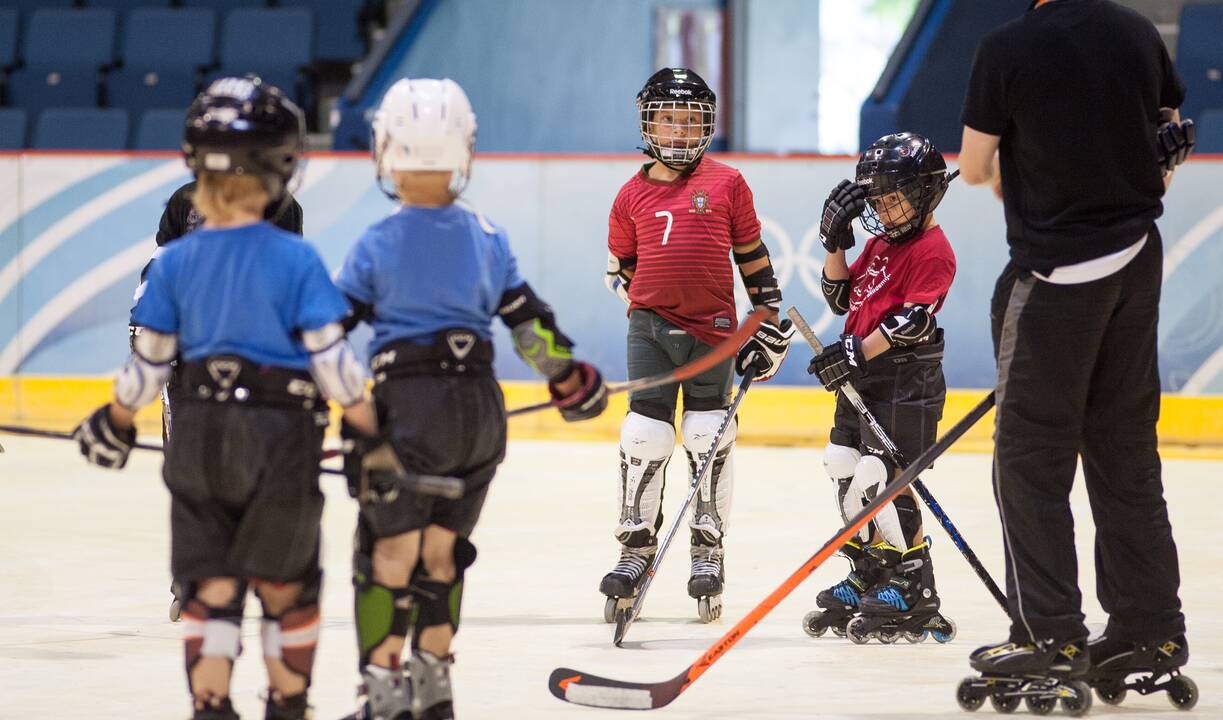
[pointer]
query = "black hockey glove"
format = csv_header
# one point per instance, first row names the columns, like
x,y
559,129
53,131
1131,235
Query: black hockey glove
x,y
101,442
840,363
764,351
1175,141
588,401
846,202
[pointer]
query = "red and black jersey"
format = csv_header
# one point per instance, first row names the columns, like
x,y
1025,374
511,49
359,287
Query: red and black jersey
x,y
886,276
680,234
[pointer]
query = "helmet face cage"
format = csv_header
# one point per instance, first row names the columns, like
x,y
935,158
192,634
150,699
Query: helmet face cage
x,y
676,143
898,212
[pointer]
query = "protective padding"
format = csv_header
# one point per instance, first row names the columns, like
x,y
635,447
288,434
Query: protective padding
x,y
646,445
870,477
711,511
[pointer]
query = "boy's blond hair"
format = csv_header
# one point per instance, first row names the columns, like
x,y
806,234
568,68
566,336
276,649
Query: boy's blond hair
x,y
219,197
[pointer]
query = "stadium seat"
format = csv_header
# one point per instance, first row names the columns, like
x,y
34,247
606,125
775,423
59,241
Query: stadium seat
x,y
224,6
1199,57
1210,131
162,50
336,33
8,37
12,128
128,5
64,51
81,129
160,129
274,43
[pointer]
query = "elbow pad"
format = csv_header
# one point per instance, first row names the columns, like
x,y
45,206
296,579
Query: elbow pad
x,y
617,278
913,325
147,369
762,288
334,366
836,293
537,340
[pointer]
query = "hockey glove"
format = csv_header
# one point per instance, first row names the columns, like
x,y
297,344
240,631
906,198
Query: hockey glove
x,y
1175,141
764,351
839,363
588,401
101,442
846,202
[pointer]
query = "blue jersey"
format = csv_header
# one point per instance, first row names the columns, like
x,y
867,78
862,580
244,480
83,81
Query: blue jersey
x,y
428,269
245,291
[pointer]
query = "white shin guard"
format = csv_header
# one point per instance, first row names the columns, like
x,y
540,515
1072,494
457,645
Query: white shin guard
x,y
646,445
871,475
711,511
840,462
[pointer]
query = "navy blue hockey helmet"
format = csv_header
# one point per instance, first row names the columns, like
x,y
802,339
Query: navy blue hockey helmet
x,y
905,178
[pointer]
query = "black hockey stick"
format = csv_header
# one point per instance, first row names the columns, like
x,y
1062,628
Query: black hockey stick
x,y
450,488
897,457
625,618
584,689
723,350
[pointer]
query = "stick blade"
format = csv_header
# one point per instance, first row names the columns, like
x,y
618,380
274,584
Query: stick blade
x,y
581,688
624,618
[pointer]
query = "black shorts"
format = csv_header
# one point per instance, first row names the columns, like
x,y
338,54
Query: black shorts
x,y
905,392
656,346
450,425
244,494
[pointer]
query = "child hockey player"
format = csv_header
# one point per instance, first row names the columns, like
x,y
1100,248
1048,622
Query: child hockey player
x,y
671,231
250,310
429,279
892,354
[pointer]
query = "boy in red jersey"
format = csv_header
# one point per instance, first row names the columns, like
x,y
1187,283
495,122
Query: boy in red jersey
x,y
671,232
892,354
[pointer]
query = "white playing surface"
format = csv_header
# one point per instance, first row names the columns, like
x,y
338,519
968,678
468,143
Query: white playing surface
x,y
84,591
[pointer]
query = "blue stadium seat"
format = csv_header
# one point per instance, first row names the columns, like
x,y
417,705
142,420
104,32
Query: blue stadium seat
x,y
224,6
64,50
162,50
81,129
128,5
1210,132
8,36
12,128
335,28
160,129
274,43
1199,57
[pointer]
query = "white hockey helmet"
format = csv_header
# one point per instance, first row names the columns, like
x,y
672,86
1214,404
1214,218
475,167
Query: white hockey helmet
x,y
425,124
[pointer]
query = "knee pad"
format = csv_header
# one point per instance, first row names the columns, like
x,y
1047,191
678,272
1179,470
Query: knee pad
x,y
435,602
840,462
212,632
871,475
381,611
292,636
711,511
646,445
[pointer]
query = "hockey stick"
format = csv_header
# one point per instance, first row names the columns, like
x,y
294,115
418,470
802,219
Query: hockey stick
x,y
450,488
894,452
725,349
625,619
584,689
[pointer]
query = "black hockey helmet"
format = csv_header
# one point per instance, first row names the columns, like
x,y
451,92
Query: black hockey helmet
x,y
668,91
905,177
243,126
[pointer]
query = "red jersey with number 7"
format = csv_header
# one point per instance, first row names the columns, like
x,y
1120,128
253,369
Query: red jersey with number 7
x,y
680,234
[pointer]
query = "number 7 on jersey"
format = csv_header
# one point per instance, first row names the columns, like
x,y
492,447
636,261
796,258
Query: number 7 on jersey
x,y
670,218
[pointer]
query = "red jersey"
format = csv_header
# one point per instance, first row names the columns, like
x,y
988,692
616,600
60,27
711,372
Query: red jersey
x,y
886,276
680,234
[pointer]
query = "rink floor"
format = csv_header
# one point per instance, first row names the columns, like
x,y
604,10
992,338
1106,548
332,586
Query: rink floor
x,y
84,592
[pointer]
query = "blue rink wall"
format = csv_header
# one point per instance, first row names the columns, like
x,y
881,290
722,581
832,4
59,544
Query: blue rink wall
x,y
76,229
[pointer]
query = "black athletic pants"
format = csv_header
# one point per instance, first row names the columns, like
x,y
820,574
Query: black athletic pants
x,y
1078,376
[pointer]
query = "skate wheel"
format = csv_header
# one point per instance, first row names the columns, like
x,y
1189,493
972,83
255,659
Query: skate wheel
x,y
856,632
1111,692
1005,704
609,610
838,631
888,637
811,624
176,610
965,695
1039,704
1182,692
914,637
945,636
1078,701
709,608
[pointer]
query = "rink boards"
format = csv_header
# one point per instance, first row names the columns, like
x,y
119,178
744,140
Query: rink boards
x,y
75,230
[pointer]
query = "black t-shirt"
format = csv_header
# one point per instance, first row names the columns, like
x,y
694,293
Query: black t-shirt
x,y
1074,89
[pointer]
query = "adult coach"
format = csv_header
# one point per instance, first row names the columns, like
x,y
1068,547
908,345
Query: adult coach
x,y
1071,114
